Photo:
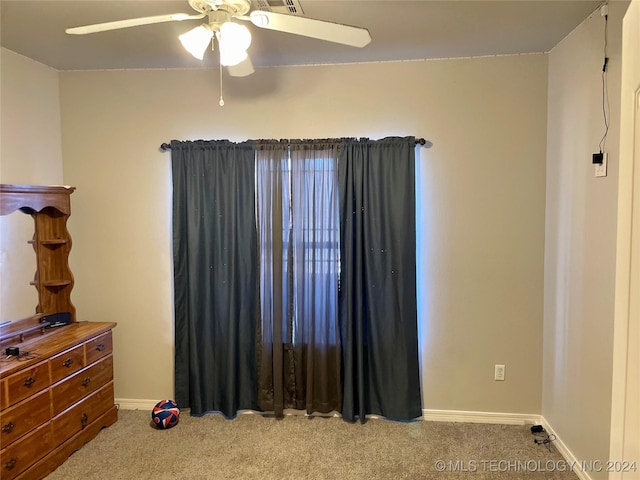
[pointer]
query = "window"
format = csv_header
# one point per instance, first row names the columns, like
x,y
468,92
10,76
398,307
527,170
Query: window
x,y
298,225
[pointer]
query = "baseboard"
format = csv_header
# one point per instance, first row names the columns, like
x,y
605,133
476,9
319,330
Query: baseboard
x,y
480,417
427,414
135,403
565,452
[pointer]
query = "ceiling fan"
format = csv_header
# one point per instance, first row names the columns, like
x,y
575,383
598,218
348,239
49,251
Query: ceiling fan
x,y
233,38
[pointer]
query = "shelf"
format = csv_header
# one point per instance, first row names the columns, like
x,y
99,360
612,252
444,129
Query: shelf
x,y
53,283
55,241
56,283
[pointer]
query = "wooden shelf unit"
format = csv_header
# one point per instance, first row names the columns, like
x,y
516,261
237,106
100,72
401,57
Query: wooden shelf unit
x,y
50,207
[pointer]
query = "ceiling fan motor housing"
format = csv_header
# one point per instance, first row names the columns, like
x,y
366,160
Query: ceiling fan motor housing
x,y
236,8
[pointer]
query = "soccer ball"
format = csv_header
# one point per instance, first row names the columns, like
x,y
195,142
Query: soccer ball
x,y
165,414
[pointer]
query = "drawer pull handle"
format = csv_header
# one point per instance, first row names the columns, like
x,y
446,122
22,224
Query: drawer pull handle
x,y
86,381
68,362
100,347
11,463
84,420
8,427
29,381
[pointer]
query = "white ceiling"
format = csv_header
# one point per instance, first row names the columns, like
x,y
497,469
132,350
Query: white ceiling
x,y
401,30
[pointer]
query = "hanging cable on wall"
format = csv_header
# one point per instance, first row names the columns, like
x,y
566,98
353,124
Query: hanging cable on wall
x,y
600,159
604,11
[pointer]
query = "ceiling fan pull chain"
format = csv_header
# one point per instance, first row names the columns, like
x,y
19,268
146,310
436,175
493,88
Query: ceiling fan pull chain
x,y
221,102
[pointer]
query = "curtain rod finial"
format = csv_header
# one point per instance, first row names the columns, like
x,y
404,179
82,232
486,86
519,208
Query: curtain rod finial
x,y
165,146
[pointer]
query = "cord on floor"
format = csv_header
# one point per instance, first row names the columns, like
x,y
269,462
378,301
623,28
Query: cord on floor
x,y
544,438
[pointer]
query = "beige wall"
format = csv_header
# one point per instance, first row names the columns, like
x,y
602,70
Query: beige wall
x,y
31,148
581,238
482,188
30,153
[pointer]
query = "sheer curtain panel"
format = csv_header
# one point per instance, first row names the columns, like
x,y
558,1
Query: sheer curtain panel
x,y
298,231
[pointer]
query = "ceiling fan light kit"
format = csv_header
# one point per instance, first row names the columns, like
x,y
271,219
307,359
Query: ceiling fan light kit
x,y
233,40
197,40
242,69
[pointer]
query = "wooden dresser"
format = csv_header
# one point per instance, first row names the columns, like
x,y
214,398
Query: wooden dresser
x,y
57,393
55,397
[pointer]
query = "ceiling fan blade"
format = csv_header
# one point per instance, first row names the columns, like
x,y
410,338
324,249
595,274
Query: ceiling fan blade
x,y
242,69
309,27
133,22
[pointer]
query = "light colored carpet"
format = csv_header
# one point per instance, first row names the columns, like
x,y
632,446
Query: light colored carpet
x,y
298,447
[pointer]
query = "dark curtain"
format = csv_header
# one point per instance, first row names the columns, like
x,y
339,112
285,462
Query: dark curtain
x,y
215,272
298,234
378,321
300,292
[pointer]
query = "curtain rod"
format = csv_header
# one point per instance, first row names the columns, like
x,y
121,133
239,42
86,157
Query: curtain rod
x,y
167,146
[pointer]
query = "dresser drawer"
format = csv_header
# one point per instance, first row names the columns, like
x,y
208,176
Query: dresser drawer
x,y
81,384
24,417
27,382
99,347
82,414
3,394
18,456
65,363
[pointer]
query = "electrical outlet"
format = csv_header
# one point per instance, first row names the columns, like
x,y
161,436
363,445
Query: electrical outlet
x,y
601,170
498,373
